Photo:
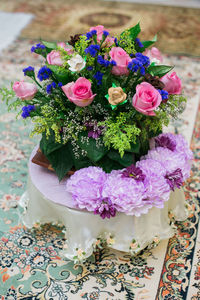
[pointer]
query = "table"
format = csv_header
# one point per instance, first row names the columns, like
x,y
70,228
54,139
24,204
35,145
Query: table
x,y
46,200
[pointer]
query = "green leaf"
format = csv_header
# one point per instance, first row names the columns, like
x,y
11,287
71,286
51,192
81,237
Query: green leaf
x,y
61,75
127,159
147,44
81,162
159,70
134,31
93,152
48,145
135,148
49,45
61,160
108,164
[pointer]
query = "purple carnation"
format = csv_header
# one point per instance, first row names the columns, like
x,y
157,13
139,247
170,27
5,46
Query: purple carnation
x,y
174,142
126,194
133,172
182,147
165,141
105,209
86,187
170,160
157,189
175,179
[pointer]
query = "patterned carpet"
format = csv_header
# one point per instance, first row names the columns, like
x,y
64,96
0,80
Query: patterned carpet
x,y
31,266
178,28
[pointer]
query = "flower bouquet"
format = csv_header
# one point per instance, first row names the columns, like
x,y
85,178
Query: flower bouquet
x,y
100,103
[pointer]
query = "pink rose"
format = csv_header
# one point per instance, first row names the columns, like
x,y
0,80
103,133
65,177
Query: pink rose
x,y
54,58
67,48
100,28
109,41
24,90
154,54
79,92
146,99
172,83
122,59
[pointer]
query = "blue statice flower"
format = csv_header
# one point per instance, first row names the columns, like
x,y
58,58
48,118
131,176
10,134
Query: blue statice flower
x,y
105,33
90,68
50,87
38,47
143,58
26,111
116,42
29,71
98,76
44,73
139,63
92,50
90,34
60,84
139,43
113,62
164,94
103,61
93,32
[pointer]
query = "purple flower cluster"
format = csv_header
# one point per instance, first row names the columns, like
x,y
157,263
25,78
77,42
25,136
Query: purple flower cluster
x,y
105,209
139,63
164,94
90,34
105,63
38,47
26,111
98,76
133,172
136,189
165,142
94,131
29,71
44,73
50,87
139,43
175,142
92,50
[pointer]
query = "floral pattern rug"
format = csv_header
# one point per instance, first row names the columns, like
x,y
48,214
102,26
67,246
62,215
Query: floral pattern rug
x,y
177,27
31,266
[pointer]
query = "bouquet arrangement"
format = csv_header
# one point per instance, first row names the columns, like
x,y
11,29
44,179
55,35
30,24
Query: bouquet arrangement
x,y
100,103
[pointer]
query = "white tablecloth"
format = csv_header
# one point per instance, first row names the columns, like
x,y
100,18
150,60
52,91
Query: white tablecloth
x,y
47,201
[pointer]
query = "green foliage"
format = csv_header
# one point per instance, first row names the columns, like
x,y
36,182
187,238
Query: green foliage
x,y
119,134
47,121
8,95
61,161
81,45
147,44
126,42
48,144
94,151
159,70
50,46
41,126
108,164
64,126
61,74
126,160
132,32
